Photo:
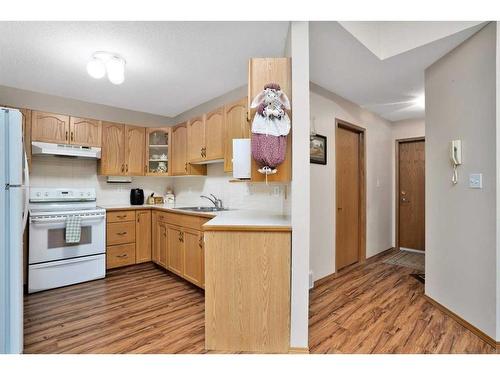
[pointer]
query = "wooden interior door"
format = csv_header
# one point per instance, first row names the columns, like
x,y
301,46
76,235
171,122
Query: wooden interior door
x,y
112,162
49,127
214,131
348,186
179,150
196,139
85,132
411,181
135,151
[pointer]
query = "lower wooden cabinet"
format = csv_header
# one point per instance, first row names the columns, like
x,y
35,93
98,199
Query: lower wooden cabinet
x,y
175,261
194,262
143,236
120,255
171,240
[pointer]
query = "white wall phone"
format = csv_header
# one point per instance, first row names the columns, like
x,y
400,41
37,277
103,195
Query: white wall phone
x,y
456,158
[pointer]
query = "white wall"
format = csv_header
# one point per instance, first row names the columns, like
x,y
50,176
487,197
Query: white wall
x,y
325,108
69,172
43,102
299,319
461,241
402,129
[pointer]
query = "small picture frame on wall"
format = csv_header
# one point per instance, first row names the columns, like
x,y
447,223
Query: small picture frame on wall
x,y
317,146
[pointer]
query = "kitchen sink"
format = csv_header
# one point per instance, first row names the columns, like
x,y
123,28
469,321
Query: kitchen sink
x,y
202,209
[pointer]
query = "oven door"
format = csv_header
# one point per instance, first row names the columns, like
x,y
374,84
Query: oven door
x,y
47,238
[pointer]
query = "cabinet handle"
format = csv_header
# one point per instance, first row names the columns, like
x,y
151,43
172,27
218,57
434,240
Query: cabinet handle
x,y
186,167
201,242
66,136
121,216
126,168
145,169
72,137
123,168
122,256
121,233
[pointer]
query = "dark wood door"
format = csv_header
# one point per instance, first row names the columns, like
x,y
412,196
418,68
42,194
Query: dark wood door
x,y
347,197
411,160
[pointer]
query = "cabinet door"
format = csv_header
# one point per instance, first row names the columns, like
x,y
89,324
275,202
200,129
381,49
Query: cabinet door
x,y
193,256
84,132
49,127
175,250
196,139
113,149
27,133
235,126
214,135
158,152
155,246
143,236
135,143
163,243
179,150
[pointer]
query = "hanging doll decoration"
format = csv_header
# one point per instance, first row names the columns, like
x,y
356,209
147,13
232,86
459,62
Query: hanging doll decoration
x,y
270,128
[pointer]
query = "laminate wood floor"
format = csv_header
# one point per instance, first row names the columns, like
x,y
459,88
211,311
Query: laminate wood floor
x,y
372,308
380,308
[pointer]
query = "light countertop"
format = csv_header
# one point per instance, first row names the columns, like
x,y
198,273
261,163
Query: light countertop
x,y
220,220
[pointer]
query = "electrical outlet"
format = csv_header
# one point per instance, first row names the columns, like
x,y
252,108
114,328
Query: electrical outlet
x,y
276,190
476,180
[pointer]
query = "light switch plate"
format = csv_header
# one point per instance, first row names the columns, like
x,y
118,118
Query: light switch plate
x,y
476,180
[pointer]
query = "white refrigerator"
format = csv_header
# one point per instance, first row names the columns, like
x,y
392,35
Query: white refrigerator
x,y
13,216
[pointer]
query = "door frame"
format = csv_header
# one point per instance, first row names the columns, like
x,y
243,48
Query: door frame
x,y
396,178
362,188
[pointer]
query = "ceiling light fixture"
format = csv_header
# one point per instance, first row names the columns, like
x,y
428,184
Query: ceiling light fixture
x,y
420,101
107,62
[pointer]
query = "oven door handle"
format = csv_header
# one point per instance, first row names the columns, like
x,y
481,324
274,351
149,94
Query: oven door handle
x,y
62,219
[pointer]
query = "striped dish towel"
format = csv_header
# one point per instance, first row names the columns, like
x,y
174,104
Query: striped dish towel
x,y
73,229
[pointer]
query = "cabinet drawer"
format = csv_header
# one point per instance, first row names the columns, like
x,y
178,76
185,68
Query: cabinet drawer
x,y
186,221
120,255
120,216
120,233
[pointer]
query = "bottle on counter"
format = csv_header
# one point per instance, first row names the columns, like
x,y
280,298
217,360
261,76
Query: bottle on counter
x,y
170,196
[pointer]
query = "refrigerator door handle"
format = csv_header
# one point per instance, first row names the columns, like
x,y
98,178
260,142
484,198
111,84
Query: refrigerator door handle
x,y
26,190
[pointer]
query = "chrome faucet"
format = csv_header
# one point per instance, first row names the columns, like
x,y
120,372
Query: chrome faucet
x,y
215,201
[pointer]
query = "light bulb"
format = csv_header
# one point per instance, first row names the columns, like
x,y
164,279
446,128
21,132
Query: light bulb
x,y
96,68
116,70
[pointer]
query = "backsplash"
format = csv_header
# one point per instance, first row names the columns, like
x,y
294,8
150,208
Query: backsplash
x,y
69,172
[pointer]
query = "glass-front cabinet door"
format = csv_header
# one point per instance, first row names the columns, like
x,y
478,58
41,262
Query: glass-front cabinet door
x,y
158,151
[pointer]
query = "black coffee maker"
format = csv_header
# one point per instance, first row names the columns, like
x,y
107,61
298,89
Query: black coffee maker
x,y
136,197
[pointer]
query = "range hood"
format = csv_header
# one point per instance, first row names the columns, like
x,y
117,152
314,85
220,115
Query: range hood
x,y
42,148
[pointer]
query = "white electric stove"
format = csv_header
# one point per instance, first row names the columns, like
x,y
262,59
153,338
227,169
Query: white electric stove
x,y
53,262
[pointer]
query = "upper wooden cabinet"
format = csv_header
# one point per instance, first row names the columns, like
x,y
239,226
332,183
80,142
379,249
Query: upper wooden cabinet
x,y
196,139
158,151
214,135
54,128
235,126
179,150
123,150
84,132
49,127
112,162
135,139
206,137
260,72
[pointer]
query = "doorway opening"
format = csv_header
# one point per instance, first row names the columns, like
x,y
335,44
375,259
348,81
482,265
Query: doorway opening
x,y
350,195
